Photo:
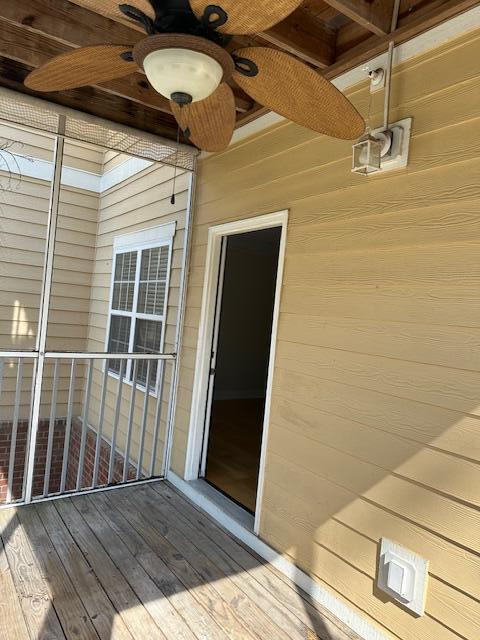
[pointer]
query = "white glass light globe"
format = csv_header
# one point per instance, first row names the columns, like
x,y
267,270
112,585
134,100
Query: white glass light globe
x,y
183,71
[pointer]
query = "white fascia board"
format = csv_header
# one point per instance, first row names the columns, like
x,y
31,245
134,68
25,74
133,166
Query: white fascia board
x,y
29,167
122,172
81,179
18,165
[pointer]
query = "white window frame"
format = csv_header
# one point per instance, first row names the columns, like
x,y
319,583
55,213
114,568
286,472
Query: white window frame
x,y
151,238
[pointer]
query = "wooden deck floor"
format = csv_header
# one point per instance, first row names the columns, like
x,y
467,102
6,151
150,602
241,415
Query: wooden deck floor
x,y
141,563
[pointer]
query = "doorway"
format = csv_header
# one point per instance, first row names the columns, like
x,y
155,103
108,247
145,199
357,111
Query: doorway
x,y
240,356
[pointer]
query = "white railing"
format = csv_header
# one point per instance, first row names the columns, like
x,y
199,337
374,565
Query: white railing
x,y
16,376
93,426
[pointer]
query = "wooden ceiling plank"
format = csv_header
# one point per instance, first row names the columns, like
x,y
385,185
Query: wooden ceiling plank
x,y
73,26
102,8
93,101
410,26
304,34
34,49
374,15
68,23
305,37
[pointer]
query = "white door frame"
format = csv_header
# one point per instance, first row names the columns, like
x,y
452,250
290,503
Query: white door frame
x,y
214,354
204,344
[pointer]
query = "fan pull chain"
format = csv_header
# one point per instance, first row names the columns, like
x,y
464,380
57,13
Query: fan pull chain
x,y
173,199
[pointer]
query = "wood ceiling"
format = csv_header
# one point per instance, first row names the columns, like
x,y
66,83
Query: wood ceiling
x,y
330,35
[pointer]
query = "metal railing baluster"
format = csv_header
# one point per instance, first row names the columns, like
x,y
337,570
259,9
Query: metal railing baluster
x,y
113,444
2,366
147,425
101,417
83,441
51,429
68,425
141,445
13,440
158,413
130,422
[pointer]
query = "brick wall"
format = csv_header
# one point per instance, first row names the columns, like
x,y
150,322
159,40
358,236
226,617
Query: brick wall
x,y
40,457
90,448
57,458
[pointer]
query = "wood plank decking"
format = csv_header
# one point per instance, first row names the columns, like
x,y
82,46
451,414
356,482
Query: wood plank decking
x,y
141,563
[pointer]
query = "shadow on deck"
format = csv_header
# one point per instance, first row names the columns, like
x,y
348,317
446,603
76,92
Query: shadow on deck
x,y
142,563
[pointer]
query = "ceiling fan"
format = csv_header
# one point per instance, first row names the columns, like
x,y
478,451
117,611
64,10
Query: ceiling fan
x,y
185,59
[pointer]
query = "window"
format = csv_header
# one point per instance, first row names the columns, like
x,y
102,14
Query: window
x,y
138,300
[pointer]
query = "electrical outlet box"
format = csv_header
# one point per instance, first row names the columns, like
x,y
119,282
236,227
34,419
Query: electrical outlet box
x,y
403,575
396,155
377,72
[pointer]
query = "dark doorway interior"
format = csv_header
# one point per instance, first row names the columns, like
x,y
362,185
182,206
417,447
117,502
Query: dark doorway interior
x,y
241,363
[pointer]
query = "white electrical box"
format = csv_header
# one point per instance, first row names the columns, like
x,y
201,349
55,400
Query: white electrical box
x,y
403,575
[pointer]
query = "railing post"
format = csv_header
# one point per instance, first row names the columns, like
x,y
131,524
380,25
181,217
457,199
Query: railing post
x,y
172,402
44,307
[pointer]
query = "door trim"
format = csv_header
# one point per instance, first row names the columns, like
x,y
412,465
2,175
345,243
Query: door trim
x,y
205,333
213,359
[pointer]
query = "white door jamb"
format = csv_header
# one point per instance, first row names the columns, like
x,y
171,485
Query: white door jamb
x,y
204,345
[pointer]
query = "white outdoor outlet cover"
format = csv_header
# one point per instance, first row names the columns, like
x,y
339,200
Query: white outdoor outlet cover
x,y
403,575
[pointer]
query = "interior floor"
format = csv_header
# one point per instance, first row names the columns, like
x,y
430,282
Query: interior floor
x,y
234,448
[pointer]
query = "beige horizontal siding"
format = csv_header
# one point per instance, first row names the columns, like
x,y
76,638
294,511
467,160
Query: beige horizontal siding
x,y
24,204
112,159
35,144
87,227
138,203
375,420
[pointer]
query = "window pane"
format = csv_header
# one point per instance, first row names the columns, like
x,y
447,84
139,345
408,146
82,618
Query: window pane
x,y
153,281
124,281
118,339
148,336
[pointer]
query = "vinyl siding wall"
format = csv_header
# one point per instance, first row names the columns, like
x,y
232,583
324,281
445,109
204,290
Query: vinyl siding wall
x,y
87,225
24,203
140,202
375,421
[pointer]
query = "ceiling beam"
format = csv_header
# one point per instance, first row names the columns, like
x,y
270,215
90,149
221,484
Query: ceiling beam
x,y
410,26
374,15
93,101
305,37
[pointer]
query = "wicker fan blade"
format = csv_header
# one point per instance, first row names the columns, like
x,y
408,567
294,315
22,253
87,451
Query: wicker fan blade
x,y
244,17
80,67
297,92
209,124
110,8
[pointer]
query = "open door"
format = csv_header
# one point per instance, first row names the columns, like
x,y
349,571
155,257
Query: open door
x,y
239,364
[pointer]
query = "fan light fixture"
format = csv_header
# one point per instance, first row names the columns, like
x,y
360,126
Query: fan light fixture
x,y
367,155
189,58
183,75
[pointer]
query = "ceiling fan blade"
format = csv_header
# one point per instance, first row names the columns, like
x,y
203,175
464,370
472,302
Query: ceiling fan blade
x,y
297,92
81,67
243,17
209,123
110,8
